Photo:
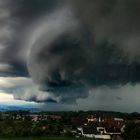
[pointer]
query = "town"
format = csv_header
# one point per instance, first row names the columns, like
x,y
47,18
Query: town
x,y
89,124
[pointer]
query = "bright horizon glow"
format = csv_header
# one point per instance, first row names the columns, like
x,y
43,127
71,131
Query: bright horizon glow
x,y
8,99
4,96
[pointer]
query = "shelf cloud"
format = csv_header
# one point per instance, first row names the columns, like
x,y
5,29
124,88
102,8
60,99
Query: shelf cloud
x,y
69,48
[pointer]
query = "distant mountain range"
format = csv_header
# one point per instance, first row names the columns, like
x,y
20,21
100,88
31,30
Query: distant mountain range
x,y
8,108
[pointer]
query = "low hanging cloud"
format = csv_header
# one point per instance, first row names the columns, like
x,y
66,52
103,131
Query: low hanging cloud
x,y
23,88
70,47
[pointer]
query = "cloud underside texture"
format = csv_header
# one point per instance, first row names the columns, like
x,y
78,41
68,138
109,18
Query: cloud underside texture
x,y
71,48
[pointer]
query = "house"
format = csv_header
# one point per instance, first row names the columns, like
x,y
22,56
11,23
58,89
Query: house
x,y
34,117
101,130
92,119
93,132
89,131
55,117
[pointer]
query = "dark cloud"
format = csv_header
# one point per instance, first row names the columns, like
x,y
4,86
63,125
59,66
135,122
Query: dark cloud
x,y
119,98
70,47
33,8
15,17
93,45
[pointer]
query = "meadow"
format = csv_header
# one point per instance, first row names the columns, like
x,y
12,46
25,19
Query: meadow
x,y
46,138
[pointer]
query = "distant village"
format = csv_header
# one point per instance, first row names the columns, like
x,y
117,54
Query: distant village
x,y
102,125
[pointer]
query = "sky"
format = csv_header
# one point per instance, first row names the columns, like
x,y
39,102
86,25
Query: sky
x,y
70,55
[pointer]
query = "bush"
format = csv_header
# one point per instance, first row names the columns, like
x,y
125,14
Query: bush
x,y
132,132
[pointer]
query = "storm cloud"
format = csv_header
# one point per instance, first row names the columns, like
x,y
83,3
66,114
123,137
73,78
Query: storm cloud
x,y
71,47
86,45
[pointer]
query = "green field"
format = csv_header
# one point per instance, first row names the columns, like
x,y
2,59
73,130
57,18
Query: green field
x,y
46,138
